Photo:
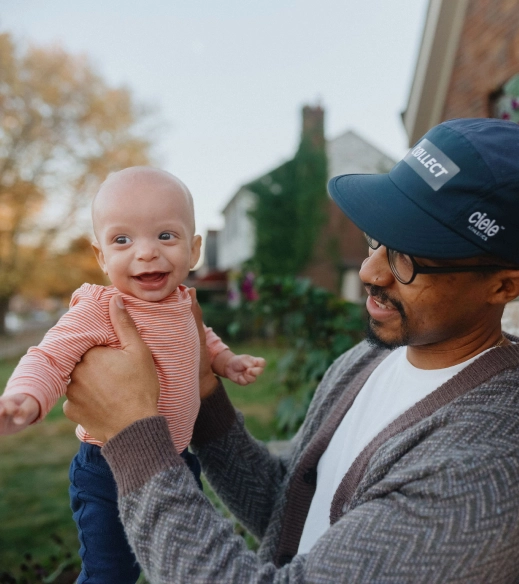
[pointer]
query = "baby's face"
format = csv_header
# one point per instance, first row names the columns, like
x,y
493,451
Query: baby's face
x,y
144,227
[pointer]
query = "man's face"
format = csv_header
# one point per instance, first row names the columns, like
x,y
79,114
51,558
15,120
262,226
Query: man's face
x,y
431,310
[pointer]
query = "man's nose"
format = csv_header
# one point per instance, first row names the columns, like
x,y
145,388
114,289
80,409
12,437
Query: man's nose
x,y
146,251
375,268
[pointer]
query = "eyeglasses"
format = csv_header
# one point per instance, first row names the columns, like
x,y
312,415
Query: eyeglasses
x,y
405,267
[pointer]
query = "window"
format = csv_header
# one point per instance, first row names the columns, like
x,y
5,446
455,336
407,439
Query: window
x,y
504,103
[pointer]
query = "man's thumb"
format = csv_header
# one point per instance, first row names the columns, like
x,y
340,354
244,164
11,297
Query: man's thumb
x,y
123,324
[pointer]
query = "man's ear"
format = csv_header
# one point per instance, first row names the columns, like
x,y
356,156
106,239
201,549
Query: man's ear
x,y
99,256
195,250
506,287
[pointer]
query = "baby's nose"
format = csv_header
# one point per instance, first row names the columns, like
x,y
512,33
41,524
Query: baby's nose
x,y
146,251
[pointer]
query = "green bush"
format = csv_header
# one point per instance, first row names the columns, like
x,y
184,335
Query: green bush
x,y
316,327
219,317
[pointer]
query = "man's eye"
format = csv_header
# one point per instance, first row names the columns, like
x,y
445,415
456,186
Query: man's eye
x,y
166,236
121,239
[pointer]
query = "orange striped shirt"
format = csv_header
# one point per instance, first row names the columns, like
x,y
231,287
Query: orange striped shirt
x,y
167,327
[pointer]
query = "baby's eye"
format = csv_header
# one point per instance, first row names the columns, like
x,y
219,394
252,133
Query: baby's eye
x,y
166,236
122,239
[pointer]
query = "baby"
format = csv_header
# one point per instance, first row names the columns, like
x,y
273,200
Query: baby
x,y
144,226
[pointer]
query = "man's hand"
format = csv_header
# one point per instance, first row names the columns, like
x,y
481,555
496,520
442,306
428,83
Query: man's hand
x,y
17,412
208,382
112,388
243,369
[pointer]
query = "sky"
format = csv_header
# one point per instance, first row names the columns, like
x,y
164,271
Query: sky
x,y
228,78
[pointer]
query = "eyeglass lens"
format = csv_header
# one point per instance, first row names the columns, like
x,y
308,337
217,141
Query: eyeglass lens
x,y
401,264
373,243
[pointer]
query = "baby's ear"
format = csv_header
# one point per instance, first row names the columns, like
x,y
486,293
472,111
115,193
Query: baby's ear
x,y
195,250
99,255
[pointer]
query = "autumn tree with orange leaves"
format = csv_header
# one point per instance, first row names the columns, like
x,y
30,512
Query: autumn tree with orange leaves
x,y
62,130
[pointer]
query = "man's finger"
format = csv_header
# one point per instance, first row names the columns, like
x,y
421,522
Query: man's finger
x,y
123,324
196,310
69,411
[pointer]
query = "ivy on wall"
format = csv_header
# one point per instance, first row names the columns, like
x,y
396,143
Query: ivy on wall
x,y
290,208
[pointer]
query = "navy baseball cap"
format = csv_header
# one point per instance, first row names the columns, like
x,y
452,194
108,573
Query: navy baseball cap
x,y
455,194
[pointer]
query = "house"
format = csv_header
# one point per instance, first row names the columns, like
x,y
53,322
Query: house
x,y
468,66
341,247
469,51
210,283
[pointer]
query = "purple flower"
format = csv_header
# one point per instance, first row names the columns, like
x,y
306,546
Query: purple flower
x,y
247,287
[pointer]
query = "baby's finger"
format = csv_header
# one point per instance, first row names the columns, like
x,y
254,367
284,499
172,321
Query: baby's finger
x,y
26,412
10,407
20,417
248,378
250,361
254,371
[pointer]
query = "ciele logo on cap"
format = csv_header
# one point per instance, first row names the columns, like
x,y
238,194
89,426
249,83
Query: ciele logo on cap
x,y
483,226
435,167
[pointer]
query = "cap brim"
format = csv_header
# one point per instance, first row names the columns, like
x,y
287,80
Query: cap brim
x,y
379,208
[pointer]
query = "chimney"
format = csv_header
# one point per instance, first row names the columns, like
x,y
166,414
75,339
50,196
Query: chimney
x,y
313,125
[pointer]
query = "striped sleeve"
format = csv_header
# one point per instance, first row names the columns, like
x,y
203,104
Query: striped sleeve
x,y
214,343
44,371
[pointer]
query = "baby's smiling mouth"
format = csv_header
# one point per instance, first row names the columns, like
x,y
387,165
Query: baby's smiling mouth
x,y
150,276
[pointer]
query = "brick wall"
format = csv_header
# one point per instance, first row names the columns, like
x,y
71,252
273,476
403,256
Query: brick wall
x,y
488,55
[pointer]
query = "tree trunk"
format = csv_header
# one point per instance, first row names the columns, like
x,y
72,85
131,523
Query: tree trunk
x,y
4,307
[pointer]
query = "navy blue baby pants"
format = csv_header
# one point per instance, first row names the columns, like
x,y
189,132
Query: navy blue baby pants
x,y
105,553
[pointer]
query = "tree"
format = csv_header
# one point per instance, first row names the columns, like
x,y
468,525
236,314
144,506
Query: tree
x,y
290,204
63,129
60,272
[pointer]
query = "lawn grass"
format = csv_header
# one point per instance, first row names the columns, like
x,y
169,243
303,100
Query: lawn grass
x,y
34,502
258,401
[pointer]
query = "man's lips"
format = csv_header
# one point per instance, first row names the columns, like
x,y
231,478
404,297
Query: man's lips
x,y
380,310
380,304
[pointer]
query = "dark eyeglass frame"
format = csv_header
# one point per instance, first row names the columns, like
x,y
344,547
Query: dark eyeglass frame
x,y
418,269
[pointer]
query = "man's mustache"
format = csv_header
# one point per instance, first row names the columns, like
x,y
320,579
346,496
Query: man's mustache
x,y
378,293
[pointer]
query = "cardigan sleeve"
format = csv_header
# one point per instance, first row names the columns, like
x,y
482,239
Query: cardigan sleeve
x,y
424,525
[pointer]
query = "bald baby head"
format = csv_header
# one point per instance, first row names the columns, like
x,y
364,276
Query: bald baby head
x,y
137,184
145,232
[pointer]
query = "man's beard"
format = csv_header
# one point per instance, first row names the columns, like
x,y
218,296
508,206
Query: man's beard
x,y
371,331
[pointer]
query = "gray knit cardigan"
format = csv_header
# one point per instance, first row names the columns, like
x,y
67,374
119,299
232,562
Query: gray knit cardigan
x,y
433,498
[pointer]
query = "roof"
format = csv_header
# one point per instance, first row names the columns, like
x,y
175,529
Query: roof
x,y
440,40
347,153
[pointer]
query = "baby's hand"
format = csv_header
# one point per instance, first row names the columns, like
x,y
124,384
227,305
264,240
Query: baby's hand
x,y
243,369
17,412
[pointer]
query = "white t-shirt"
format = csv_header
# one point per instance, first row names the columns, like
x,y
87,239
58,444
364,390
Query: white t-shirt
x,y
393,387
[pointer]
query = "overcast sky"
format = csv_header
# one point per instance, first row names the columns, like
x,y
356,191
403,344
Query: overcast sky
x,y
229,77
